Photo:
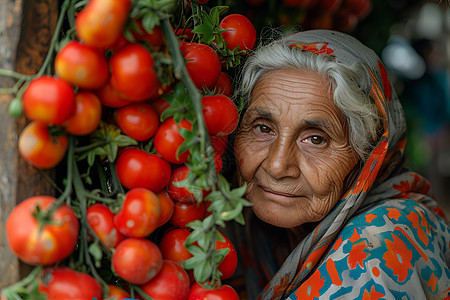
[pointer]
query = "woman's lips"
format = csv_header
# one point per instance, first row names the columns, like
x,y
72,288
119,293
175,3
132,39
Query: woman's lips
x,y
268,190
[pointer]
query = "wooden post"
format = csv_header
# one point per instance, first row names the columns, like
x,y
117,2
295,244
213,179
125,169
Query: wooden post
x,y
26,28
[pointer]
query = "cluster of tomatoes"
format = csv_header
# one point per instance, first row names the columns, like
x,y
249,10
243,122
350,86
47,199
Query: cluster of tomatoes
x,y
343,15
101,78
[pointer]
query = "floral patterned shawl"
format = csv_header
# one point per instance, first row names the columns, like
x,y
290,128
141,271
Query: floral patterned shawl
x,y
386,238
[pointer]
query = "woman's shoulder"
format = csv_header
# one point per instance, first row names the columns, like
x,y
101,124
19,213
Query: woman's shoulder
x,y
394,249
395,219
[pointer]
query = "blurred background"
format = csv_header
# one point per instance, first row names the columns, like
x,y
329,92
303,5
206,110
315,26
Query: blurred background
x,y
412,37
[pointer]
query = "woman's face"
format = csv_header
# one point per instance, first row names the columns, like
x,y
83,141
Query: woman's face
x,y
292,148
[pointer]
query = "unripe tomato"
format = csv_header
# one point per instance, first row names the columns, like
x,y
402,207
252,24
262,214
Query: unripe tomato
x,y
139,213
137,260
220,114
87,115
167,207
65,283
202,64
138,120
225,292
40,149
36,246
132,72
240,32
137,168
101,220
171,283
168,138
49,100
82,65
101,22
186,212
172,245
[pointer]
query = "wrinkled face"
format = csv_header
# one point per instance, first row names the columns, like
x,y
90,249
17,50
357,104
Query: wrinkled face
x,y
292,148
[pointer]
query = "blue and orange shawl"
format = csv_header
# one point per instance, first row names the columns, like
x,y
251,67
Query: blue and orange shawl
x,y
386,238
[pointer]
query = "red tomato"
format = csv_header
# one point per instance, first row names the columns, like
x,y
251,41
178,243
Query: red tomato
x,y
160,105
87,115
65,283
172,245
101,220
181,194
224,85
132,72
359,7
328,5
202,64
240,32
185,34
137,260
48,100
167,207
40,149
167,140
82,65
139,214
154,38
101,22
220,114
171,283
137,168
116,293
185,213
111,97
225,292
229,264
219,143
299,3
138,120
53,243
218,162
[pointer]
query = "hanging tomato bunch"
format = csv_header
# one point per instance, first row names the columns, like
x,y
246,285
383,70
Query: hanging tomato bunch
x,y
137,113
341,15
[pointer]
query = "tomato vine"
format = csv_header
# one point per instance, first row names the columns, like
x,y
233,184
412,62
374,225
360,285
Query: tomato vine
x,y
90,159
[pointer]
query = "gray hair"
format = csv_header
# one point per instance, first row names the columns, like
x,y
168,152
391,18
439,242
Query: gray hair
x,y
360,111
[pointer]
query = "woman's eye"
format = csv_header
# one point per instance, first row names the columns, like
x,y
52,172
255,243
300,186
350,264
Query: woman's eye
x,y
264,128
315,140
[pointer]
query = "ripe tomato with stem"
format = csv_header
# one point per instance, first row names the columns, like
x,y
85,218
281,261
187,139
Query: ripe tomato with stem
x,y
38,239
139,213
137,260
39,148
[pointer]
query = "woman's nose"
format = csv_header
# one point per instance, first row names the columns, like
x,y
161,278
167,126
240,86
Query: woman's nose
x,y
283,160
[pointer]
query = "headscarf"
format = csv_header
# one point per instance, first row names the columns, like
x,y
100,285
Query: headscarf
x,y
383,175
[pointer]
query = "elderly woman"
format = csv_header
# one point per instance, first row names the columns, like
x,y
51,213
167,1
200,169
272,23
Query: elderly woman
x,y
320,147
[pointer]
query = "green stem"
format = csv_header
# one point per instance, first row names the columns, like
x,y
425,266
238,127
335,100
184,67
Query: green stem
x,y
14,74
55,37
181,73
25,281
91,146
81,193
68,189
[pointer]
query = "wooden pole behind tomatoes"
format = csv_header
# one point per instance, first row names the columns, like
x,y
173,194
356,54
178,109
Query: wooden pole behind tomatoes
x,y
24,40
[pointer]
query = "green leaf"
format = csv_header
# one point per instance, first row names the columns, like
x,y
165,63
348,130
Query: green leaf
x,y
202,271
